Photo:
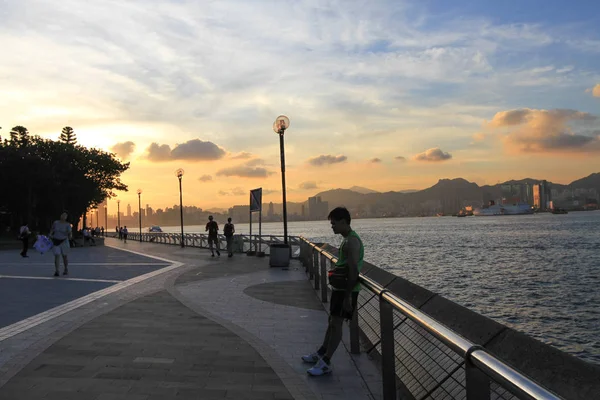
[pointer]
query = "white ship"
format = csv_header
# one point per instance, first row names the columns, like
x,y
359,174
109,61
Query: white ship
x,y
503,209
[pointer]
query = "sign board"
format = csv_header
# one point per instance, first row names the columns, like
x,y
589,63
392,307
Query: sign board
x,y
256,200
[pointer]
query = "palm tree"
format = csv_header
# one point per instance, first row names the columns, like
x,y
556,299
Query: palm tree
x,y
68,136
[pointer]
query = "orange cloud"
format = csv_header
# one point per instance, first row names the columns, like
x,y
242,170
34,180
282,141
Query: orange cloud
x,y
433,155
326,159
192,150
596,90
124,149
530,130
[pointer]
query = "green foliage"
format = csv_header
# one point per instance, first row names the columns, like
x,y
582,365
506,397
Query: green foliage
x,y
40,178
68,135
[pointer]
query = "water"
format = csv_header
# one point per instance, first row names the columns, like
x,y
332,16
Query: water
x,y
538,274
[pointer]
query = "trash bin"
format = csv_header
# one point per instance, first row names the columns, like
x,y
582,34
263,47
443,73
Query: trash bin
x,y
238,244
279,255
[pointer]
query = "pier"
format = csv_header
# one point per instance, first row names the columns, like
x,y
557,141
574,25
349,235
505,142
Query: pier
x,y
149,320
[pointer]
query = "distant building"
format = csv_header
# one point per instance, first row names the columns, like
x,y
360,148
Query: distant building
x,y
271,211
129,210
240,213
149,210
542,196
317,209
303,212
516,193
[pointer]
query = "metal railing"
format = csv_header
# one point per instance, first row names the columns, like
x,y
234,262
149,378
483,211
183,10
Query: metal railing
x,y
420,357
241,242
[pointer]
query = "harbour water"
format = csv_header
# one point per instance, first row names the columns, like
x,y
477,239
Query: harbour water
x,y
539,273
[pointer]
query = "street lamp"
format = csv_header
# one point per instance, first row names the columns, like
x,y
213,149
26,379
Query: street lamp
x,y
139,192
118,215
279,126
179,174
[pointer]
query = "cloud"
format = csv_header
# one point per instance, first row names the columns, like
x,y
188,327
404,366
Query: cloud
x,y
596,90
326,160
269,191
205,178
244,171
400,158
192,150
308,185
236,191
375,160
551,131
241,156
123,149
433,155
255,162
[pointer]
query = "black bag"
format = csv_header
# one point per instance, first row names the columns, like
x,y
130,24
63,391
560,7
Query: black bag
x,y
57,242
338,277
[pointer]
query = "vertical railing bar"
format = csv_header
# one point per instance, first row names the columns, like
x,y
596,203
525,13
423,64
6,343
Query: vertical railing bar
x,y
388,355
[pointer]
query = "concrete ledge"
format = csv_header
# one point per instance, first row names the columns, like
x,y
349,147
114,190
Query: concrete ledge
x,y
472,326
560,372
410,292
380,276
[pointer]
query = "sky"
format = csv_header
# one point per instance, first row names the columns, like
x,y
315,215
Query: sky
x,y
388,95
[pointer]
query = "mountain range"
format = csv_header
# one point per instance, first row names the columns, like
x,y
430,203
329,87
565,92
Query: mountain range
x,y
447,195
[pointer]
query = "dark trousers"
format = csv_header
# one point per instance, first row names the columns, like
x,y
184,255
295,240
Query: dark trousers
x,y
25,241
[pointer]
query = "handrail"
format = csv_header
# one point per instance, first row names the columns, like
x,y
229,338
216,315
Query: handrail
x,y
474,355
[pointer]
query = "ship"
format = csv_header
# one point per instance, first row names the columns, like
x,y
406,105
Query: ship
x,y
494,209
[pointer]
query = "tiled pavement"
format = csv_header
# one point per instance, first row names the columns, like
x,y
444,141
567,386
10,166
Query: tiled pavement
x,y
210,328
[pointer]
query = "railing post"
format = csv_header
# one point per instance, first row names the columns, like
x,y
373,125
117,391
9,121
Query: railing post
x,y
354,338
317,269
478,384
323,278
388,356
314,264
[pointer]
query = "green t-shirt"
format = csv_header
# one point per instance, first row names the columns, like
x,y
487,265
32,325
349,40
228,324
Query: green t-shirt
x,y
343,257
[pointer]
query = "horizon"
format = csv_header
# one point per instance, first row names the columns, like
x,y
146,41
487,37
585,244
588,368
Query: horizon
x,y
391,97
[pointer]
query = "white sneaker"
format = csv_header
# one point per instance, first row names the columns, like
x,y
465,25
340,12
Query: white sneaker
x,y
311,358
320,368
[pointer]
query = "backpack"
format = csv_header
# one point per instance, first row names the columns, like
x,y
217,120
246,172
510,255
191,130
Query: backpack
x,y
228,230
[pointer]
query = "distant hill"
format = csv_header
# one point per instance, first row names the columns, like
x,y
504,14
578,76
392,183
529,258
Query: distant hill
x,y
447,196
363,190
589,182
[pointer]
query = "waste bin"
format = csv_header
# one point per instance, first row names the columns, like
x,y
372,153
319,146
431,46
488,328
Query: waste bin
x,y
279,255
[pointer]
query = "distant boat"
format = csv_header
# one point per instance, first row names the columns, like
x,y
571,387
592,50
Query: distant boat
x,y
503,209
559,211
155,228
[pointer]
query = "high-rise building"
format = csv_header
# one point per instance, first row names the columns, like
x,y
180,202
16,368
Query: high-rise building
x,y
149,210
317,209
271,211
542,196
129,210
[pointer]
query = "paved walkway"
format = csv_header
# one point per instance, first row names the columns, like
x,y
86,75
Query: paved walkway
x,y
198,328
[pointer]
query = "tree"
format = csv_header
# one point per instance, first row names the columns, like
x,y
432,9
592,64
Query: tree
x,y
19,136
68,136
47,177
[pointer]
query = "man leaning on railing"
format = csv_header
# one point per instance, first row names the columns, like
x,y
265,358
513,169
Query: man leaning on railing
x,y
345,287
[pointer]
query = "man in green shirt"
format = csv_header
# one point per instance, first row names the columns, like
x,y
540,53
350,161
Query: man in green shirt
x,y
343,301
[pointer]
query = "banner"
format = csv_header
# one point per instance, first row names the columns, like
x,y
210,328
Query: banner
x,y
256,200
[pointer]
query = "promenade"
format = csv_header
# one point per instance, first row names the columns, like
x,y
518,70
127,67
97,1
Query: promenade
x,y
146,321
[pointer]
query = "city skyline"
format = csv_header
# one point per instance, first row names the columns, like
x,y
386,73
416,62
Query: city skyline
x,y
391,96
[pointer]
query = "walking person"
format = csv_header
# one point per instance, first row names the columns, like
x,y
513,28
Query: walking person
x,y
120,233
344,295
125,233
60,233
24,234
213,235
228,231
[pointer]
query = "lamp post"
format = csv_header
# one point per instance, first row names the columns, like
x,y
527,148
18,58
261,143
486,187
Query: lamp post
x,y
118,215
279,126
105,217
179,174
139,192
